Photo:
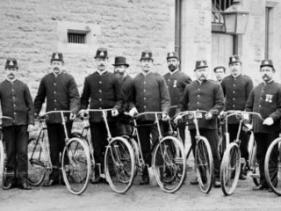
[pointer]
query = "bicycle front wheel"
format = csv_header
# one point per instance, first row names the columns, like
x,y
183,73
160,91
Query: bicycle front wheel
x,y
253,163
36,162
230,169
272,166
204,164
169,164
119,162
76,165
2,163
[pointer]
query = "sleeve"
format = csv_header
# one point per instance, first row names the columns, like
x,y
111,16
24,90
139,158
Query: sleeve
x,y
184,100
84,101
187,80
73,94
250,102
223,87
117,90
40,97
164,95
29,105
218,100
249,87
276,115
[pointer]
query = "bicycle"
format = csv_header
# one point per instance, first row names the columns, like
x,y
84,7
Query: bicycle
x,y
3,173
203,157
231,162
168,163
119,160
273,158
40,163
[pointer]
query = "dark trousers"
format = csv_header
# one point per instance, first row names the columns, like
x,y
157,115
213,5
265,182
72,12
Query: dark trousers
x,y
16,140
99,139
148,135
181,127
56,136
244,136
212,136
263,141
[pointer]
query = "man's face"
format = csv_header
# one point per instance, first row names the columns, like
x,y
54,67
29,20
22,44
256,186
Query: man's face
x,y
219,74
173,64
235,69
146,64
101,63
57,66
120,70
201,74
11,73
267,73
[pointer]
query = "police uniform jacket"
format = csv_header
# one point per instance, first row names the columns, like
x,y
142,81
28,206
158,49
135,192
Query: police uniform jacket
x,y
150,93
266,100
236,92
207,96
176,82
16,102
60,92
103,92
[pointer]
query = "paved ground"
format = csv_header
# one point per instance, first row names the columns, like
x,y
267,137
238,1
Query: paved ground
x,y
100,197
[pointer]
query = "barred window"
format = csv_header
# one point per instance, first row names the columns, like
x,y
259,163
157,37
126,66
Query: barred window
x,y
77,37
218,6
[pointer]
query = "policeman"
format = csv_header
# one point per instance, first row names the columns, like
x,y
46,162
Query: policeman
x,y
265,99
126,81
60,90
219,72
176,81
237,88
205,94
16,102
102,91
150,93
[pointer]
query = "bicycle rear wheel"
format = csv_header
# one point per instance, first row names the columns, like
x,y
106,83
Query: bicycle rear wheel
x,y
119,162
169,164
2,163
272,166
76,165
230,169
36,162
204,164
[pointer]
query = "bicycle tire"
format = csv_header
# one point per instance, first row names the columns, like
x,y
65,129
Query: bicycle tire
x,y
119,163
204,165
253,163
76,178
2,163
231,160
274,185
36,163
169,164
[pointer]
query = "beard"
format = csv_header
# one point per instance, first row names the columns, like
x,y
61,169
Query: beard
x,y
172,67
266,78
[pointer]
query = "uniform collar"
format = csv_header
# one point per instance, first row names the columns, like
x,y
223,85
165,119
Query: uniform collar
x,y
145,74
11,81
236,76
173,73
270,82
101,72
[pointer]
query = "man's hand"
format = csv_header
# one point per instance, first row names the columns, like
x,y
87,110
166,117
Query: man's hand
x,y
165,117
83,113
208,116
30,128
268,121
177,119
133,112
72,116
114,112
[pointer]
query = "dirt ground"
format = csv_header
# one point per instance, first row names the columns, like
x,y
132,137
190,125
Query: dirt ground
x,y
100,197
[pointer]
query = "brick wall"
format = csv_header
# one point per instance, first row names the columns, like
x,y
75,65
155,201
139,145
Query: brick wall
x,y
28,31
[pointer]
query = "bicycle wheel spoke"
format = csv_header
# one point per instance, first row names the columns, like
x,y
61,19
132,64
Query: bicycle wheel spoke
x,y
119,165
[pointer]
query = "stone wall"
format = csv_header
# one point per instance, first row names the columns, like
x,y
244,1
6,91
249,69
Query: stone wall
x,y
29,32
